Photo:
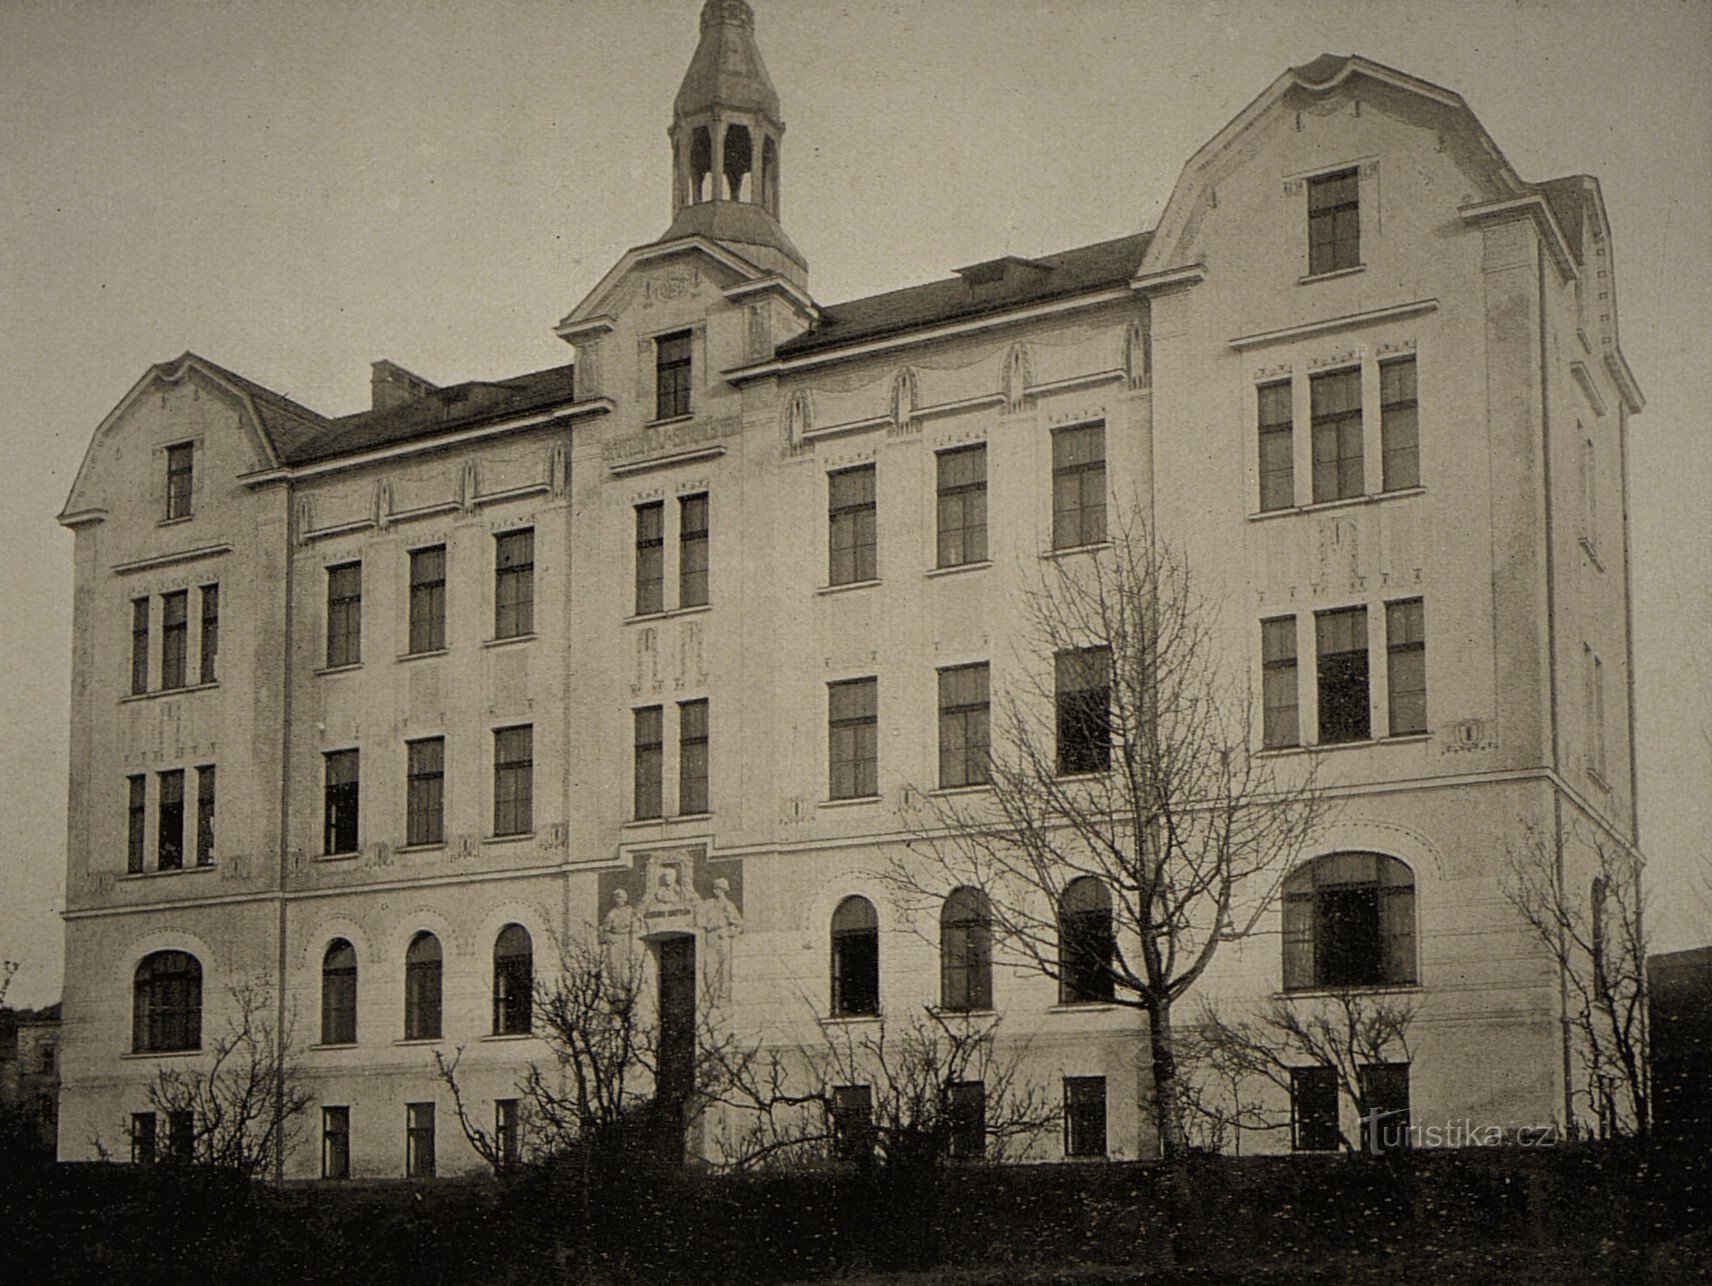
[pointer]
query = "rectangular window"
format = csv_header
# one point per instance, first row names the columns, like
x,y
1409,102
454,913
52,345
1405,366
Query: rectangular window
x,y
1589,495
139,646
692,551
672,375
1406,666
1399,427
1334,222
650,558
425,804
1277,447
419,1140
966,1120
650,760
335,1143
1336,416
1385,1107
1083,688
1314,1109
175,637
181,1136
1078,486
180,472
692,757
1596,710
507,1130
963,726
142,1138
853,738
339,802
514,780
1342,649
169,837
136,831
1278,679
853,1123
344,614
210,632
963,506
205,815
514,584
428,599
853,526
1084,1116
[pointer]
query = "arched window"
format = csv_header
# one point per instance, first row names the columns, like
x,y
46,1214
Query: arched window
x,y
966,951
166,1011
339,994
1085,944
513,980
422,988
701,164
739,162
855,958
1349,921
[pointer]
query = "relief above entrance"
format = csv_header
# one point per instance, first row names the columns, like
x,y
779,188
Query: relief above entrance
x,y
673,893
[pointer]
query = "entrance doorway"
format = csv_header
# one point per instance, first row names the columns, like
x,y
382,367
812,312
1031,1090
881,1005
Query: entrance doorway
x,y
677,1026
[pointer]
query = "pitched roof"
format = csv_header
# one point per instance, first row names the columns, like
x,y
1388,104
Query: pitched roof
x,y
995,286
445,410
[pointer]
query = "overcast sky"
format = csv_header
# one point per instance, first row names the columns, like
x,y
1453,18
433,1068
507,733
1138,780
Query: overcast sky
x,y
296,189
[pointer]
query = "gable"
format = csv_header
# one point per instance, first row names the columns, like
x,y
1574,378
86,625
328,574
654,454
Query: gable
x,y
648,274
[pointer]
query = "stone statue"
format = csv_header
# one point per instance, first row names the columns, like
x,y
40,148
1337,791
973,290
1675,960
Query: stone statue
x,y
721,923
668,891
618,939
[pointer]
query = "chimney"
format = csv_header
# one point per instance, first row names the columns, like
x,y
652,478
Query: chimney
x,y
391,385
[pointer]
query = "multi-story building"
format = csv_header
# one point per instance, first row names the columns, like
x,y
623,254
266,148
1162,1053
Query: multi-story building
x,y
374,708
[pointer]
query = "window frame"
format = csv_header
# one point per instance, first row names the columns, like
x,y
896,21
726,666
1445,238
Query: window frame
x,y
508,1131
1314,1109
1082,720
960,507
966,951
852,525
427,599
695,524
140,609
205,805
208,641
1280,674
674,375
1083,1136
1087,944
853,1135
1399,418
855,958
424,987
335,1141
1082,524
425,792
175,640
513,981
1346,928
650,558
1340,673
1335,426
694,741
514,583
166,1003
1277,480
180,480
144,1134
169,820
341,802
420,1146
965,726
339,978
1371,1078
1340,251
136,823
1406,651
344,615
648,763
514,780
853,738
965,1109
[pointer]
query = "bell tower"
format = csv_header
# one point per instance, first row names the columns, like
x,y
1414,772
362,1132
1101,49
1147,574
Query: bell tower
x,y
726,135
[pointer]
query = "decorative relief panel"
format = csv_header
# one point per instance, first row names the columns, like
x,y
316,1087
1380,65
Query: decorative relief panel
x,y
670,284
647,679
1016,377
906,397
673,892
1337,555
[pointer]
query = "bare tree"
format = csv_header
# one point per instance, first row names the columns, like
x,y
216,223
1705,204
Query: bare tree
x,y
1597,939
1346,1032
242,1105
938,1089
1121,755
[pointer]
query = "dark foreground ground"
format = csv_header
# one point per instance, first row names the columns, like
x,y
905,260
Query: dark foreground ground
x,y
1546,1215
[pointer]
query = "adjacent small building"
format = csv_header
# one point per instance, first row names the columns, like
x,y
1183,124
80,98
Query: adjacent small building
x,y
668,640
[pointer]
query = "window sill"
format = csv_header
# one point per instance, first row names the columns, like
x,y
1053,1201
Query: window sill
x,y
1070,550
509,639
343,1044
666,614
957,792
506,1037
1344,502
855,802
423,656
1406,738
1364,989
849,1020
942,1011
847,586
337,857
421,848
640,823
1086,1007
1329,276
670,419
421,1040
510,837
170,871
343,668
1086,1158
143,1054
168,692
173,522
956,568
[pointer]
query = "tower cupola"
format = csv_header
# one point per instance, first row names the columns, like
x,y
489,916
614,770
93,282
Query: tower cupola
x,y
726,134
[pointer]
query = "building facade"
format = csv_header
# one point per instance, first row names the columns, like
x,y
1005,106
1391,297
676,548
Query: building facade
x,y
672,639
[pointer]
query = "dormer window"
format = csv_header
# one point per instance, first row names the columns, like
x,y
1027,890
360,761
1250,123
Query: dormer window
x,y
672,376
1334,222
180,472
